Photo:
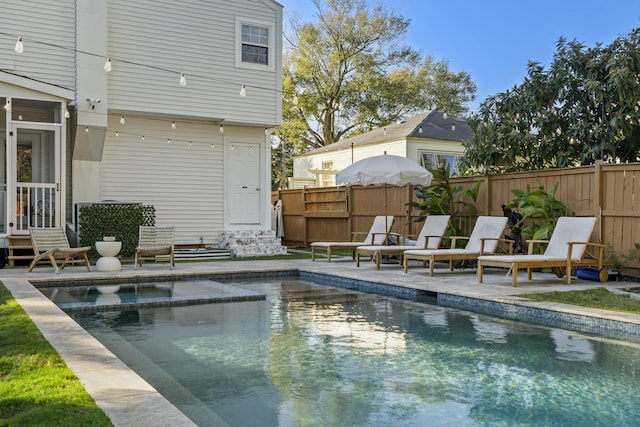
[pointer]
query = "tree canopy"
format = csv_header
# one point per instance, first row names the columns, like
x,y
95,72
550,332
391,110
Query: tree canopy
x,y
348,73
584,107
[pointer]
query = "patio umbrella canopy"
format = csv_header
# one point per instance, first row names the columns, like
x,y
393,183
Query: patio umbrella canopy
x,y
384,170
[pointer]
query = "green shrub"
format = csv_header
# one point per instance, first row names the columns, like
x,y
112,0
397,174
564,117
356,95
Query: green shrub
x,y
121,221
540,211
443,198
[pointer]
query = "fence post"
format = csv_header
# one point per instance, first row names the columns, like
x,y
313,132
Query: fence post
x,y
304,217
597,186
409,195
489,191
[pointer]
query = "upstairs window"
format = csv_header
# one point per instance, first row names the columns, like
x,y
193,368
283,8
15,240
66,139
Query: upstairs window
x,y
254,44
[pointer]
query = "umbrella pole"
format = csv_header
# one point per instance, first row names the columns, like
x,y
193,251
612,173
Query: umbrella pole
x,y
386,217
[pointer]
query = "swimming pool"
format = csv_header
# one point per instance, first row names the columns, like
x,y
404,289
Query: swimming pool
x,y
311,354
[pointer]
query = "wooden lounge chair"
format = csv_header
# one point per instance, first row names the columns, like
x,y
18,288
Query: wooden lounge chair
x,y
51,244
377,235
484,239
567,248
154,241
430,236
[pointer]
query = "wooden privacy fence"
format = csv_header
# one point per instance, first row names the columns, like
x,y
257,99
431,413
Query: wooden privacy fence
x,y
606,191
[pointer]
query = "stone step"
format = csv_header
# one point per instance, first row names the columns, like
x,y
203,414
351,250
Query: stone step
x,y
245,251
250,243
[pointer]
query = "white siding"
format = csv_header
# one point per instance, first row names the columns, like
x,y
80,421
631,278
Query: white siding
x,y
343,158
197,38
182,181
38,22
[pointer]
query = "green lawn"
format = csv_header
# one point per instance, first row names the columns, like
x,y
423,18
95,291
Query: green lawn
x,y
593,298
36,386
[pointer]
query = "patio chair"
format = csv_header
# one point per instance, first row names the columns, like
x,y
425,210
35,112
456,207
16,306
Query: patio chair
x,y
52,245
567,248
483,240
155,241
430,236
377,235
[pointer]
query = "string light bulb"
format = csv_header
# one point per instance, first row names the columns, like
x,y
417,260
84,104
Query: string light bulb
x,y
7,105
420,129
445,115
66,114
107,65
122,120
142,139
243,91
183,80
221,128
173,125
19,46
86,129
266,131
117,133
168,141
453,126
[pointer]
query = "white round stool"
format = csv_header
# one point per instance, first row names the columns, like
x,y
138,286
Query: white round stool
x,y
108,252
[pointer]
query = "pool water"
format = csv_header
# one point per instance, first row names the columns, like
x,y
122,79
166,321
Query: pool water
x,y
316,355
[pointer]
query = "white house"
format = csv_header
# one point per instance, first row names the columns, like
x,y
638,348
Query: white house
x,y
429,139
164,102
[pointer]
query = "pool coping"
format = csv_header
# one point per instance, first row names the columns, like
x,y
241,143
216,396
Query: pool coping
x,y
129,400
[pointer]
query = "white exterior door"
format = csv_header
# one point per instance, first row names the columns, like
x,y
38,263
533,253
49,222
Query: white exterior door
x,y
244,183
35,173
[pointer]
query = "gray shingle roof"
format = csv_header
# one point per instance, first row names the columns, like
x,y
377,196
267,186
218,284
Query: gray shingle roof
x,y
432,125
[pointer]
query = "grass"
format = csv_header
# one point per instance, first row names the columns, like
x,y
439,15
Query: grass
x,y
36,386
592,298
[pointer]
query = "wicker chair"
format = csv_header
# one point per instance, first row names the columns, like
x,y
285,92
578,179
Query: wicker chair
x,y
51,244
155,241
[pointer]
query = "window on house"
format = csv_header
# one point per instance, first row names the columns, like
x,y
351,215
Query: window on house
x,y
255,44
327,178
435,160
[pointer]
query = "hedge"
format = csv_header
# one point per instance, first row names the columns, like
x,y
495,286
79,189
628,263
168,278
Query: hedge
x,y
121,220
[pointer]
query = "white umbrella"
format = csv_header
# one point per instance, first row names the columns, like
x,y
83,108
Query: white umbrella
x,y
384,170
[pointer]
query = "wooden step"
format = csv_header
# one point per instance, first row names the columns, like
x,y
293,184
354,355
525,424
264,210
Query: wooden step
x,y
14,257
25,247
20,249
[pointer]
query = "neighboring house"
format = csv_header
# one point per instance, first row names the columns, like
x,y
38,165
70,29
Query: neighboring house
x,y
181,120
429,139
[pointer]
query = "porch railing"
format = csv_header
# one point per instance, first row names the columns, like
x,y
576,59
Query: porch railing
x,y
35,205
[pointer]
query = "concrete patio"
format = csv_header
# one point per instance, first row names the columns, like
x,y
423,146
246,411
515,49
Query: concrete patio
x,y
129,400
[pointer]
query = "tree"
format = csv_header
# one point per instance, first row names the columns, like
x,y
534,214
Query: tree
x,y
347,73
583,108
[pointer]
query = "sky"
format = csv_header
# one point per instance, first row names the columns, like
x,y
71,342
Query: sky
x,y
494,40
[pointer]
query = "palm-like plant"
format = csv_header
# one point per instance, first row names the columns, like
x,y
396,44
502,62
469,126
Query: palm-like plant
x,y
442,198
540,211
